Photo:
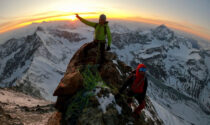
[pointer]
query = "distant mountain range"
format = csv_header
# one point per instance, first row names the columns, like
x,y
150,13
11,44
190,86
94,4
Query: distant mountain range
x,y
178,67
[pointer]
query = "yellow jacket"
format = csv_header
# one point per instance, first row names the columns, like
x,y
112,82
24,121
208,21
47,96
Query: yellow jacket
x,y
100,30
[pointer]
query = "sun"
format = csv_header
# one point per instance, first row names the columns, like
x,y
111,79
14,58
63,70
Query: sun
x,y
72,17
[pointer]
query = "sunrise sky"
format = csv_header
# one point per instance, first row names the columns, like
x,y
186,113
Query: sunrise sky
x,y
192,16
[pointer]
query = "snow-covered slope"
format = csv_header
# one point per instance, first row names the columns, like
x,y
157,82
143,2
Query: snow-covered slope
x,y
179,73
169,59
39,60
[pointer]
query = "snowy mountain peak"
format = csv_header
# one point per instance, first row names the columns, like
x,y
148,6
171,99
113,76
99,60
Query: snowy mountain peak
x,y
39,28
16,57
162,32
37,59
163,26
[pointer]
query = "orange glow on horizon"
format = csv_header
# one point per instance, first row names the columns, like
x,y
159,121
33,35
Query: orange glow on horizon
x,y
183,27
25,22
91,15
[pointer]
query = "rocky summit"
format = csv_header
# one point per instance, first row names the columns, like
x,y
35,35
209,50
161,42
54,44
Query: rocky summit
x,y
86,93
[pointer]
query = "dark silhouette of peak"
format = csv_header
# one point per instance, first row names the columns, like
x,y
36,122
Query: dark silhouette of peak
x,y
39,28
162,32
163,28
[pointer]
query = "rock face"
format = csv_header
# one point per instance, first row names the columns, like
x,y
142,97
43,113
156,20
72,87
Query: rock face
x,y
17,108
98,86
71,81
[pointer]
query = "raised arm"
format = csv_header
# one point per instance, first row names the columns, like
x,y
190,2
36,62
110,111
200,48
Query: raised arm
x,y
92,24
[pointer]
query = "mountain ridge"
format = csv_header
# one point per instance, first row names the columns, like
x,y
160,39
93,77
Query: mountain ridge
x,y
131,47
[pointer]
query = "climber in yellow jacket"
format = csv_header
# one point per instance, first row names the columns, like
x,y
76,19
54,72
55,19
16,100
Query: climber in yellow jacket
x,y
101,32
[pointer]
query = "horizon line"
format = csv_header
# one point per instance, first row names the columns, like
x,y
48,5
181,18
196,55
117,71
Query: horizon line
x,y
10,26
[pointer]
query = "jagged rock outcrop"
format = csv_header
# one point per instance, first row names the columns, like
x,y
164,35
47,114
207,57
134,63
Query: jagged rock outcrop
x,y
102,107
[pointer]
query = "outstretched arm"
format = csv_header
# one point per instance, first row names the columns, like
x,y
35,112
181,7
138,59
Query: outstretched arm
x,y
92,24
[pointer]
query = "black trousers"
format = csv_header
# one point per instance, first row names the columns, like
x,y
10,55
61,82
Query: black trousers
x,y
101,47
139,97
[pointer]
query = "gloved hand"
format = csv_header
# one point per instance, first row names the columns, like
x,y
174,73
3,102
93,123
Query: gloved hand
x,y
77,15
108,48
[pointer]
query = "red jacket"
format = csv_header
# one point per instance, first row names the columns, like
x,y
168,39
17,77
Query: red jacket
x,y
137,82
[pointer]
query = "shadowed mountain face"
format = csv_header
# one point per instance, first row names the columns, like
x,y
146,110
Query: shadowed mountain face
x,y
178,71
17,54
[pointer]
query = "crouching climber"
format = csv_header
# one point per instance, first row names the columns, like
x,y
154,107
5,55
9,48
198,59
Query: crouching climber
x,y
101,32
137,82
